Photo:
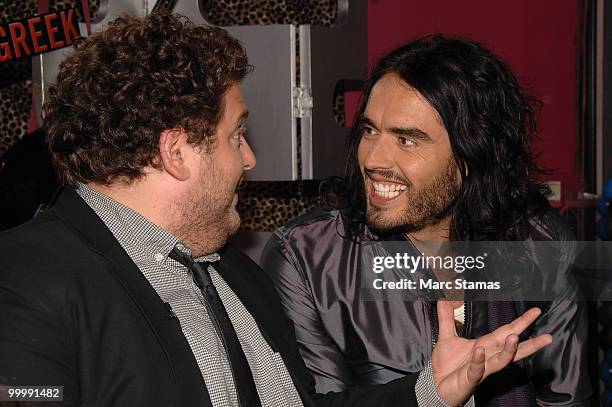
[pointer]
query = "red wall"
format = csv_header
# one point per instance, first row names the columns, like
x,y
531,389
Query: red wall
x,y
537,38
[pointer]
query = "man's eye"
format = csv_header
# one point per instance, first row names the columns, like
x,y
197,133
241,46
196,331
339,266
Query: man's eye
x,y
366,131
240,132
405,141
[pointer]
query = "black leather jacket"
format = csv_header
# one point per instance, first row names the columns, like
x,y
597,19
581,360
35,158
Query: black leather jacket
x,y
346,340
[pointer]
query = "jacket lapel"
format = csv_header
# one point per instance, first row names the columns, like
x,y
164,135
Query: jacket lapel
x,y
78,216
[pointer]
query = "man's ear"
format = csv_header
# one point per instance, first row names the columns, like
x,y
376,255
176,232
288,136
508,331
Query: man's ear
x,y
173,150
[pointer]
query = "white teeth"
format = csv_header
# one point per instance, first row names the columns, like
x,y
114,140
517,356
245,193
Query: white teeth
x,y
388,195
388,190
384,188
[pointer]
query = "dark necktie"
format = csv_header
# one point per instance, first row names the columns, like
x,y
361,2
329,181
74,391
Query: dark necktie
x,y
243,378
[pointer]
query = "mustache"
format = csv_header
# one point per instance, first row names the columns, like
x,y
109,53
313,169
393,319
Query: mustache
x,y
390,175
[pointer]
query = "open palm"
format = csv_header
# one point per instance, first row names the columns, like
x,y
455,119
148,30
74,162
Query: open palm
x,y
460,364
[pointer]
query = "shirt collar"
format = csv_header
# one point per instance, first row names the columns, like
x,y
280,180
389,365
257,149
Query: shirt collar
x,y
153,238
132,224
209,258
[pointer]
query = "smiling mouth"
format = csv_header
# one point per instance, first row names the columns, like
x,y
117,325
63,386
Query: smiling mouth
x,y
387,190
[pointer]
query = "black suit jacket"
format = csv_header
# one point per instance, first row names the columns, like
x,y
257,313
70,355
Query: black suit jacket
x,y
76,312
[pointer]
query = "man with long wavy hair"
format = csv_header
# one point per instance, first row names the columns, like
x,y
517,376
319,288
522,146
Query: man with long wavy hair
x,y
125,293
440,151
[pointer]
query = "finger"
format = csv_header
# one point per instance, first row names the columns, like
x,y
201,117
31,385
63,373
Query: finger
x,y
446,320
531,346
502,359
515,327
524,321
476,367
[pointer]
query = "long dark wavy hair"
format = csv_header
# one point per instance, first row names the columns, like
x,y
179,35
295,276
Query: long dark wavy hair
x,y
491,124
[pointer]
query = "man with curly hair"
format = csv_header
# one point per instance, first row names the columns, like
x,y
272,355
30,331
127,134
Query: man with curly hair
x,y
125,293
439,152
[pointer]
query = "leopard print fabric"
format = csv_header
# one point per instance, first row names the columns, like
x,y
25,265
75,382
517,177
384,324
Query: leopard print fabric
x,y
254,12
15,82
265,206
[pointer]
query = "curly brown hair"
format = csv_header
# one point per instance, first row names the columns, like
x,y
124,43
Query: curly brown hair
x,y
120,88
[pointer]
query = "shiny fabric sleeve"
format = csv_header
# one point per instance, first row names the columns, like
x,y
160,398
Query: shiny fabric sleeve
x,y
319,351
559,372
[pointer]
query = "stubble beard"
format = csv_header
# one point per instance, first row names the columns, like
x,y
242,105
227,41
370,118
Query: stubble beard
x,y
425,206
206,223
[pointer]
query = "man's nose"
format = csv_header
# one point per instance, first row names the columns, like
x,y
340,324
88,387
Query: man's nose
x,y
248,157
378,153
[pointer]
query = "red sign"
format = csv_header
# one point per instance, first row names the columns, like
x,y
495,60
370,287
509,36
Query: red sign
x,y
39,34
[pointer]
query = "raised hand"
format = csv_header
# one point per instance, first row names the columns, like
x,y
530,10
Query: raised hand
x,y
459,364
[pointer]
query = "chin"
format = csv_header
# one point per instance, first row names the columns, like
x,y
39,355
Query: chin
x,y
381,218
380,223
385,222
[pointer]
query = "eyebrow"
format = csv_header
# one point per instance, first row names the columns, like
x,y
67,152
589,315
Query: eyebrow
x,y
241,119
411,132
243,116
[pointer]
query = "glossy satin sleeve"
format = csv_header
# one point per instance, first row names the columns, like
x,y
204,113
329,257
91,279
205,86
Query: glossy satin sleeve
x,y
559,372
319,351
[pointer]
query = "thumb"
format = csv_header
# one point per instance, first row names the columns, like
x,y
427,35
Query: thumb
x,y
476,368
446,320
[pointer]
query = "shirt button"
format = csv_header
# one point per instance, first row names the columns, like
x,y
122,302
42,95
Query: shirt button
x,y
159,257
